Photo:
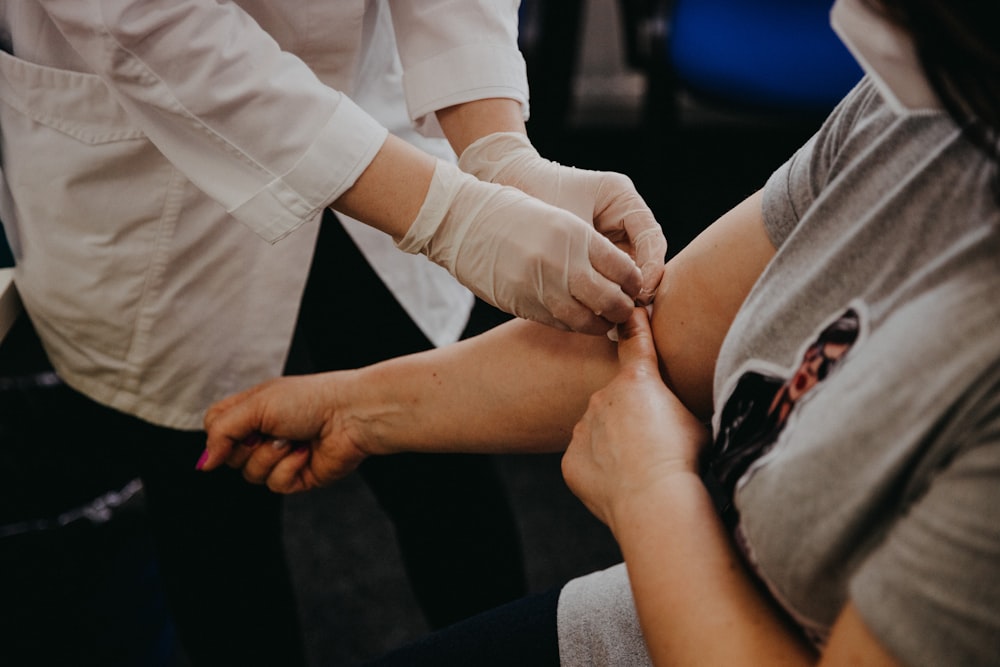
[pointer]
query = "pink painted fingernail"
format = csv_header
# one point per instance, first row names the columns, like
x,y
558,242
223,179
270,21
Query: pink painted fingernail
x,y
201,460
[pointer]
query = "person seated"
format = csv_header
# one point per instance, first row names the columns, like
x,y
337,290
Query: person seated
x,y
837,330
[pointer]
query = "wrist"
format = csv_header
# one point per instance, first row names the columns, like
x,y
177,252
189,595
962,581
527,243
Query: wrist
x,y
490,157
446,180
357,409
464,123
665,490
377,407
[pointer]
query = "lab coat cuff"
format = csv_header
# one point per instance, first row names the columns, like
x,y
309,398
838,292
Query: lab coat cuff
x,y
463,74
343,149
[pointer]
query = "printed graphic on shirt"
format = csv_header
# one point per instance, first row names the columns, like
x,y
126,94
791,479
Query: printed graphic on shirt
x,y
759,406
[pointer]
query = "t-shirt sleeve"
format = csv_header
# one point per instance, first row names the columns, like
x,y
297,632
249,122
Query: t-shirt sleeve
x,y
796,184
931,591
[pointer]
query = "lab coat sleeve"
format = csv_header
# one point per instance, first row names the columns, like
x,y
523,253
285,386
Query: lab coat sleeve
x,y
456,51
246,122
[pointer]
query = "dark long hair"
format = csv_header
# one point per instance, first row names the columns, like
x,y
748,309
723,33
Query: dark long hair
x,y
958,43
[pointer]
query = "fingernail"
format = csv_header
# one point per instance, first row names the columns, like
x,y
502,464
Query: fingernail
x,y
280,443
201,460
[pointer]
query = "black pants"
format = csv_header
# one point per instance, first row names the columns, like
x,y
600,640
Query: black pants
x,y
217,539
522,633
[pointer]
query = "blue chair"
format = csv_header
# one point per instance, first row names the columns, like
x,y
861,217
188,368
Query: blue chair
x,y
764,56
769,54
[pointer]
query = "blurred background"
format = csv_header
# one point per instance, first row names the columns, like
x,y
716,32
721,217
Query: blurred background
x,y
698,102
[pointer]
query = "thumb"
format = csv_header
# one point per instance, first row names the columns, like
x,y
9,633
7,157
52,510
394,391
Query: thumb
x,y
636,350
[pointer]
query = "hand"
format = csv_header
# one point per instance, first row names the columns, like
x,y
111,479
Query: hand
x,y
287,433
635,433
608,200
522,255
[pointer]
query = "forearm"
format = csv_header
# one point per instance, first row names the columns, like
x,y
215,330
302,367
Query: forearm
x,y
388,195
520,387
464,123
696,602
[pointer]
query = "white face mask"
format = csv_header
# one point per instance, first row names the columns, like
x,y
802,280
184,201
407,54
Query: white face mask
x,y
887,55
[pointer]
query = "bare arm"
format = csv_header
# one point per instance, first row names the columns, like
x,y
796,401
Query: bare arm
x,y
701,290
521,385
389,193
524,386
633,460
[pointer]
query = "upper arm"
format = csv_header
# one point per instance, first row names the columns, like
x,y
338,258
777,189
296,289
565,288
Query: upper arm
x,y
702,289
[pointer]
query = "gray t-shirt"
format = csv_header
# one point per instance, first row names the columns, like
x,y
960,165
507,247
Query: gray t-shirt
x,y
858,391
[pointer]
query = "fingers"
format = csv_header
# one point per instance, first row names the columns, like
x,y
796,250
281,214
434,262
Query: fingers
x,y
650,248
279,463
292,474
229,424
237,424
260,460
572,315
265,459
621,212
636,349
598,291
614,297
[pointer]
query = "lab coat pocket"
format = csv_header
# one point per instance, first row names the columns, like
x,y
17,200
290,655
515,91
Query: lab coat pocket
x,y
87,197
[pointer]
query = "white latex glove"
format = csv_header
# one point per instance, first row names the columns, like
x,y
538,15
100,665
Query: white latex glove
x,y
522,255
607,199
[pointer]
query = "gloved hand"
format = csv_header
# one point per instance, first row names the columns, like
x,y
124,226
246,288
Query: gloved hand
x,y
607,199
522,255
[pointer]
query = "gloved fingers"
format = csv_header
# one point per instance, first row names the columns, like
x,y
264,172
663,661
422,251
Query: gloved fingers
x,y
642,238
576,316
527,257
615,296
650,249
566,313
618,206
558,310
602,282
622,216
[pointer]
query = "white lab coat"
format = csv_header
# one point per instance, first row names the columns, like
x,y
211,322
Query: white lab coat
x,y
138,134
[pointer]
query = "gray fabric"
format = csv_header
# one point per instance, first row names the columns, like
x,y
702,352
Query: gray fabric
x,y
597,622
880,487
